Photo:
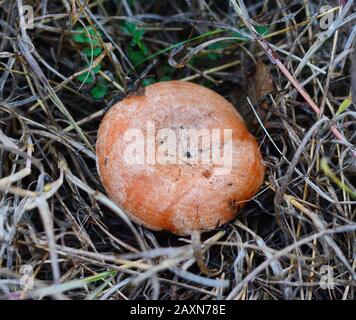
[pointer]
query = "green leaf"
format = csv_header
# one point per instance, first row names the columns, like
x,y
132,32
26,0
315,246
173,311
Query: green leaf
x,y
165,78
262,30
208,84
241,38
214,56
136,37
220,45
78,38
168,69
193,61
86,78
344,105
154,55
96,69
99,91
129,27
143,48
89,53
135,56
88,35
148,81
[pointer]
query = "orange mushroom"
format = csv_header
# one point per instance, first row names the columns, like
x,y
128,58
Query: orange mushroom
x,y
178,157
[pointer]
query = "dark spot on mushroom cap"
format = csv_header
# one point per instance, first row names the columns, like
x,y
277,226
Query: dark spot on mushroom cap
x,y
206,173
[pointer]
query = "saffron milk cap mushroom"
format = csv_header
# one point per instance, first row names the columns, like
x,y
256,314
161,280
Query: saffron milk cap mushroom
x,y
178,157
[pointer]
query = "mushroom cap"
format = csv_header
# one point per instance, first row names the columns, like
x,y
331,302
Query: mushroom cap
x,y
179,196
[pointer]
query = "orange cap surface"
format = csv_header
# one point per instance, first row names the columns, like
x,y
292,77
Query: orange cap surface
x,y
185,194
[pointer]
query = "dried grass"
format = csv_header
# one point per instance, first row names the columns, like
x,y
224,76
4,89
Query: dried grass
x,y
54,215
